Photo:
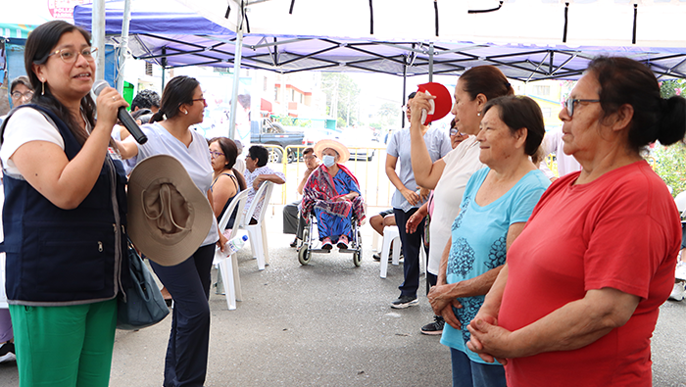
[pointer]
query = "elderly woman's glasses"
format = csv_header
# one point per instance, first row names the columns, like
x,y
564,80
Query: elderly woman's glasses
x,y
19,95
570,103
455,132
215,154
69,55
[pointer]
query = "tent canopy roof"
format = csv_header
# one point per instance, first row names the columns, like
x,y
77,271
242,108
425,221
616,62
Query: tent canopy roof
x,y
155,37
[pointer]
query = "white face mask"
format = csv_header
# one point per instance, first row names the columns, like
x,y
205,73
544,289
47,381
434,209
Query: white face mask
x,y
328,160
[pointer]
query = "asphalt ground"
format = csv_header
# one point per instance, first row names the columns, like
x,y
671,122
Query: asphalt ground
x,y
327,324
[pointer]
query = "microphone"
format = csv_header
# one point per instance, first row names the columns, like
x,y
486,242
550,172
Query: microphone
x,y
124,116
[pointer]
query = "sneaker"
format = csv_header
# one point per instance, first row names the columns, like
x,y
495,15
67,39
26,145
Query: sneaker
x,y
377,256
326,244
678,291
294,243
434,328
7,352
404,302
342,242
680,272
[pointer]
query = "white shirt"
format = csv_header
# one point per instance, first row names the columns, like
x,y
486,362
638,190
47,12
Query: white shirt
x,y
195,158
552,143
460,165
24,126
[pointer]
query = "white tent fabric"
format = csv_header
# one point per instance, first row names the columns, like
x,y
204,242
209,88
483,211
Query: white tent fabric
x,y
609,23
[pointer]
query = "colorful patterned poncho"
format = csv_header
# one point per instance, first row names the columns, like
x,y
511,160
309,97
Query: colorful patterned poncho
x,y
320,191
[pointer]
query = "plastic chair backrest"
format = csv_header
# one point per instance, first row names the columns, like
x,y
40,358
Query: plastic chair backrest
x,y
262,195
237,202
680,201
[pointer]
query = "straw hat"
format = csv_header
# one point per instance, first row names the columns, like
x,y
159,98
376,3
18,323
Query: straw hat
x,y
341,149
168,216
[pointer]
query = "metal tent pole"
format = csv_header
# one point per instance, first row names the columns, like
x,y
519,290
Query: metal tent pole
x,y
98,30
402,119
431,62
236,73
126,19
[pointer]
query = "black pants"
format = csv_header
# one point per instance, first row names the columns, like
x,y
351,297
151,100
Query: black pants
x,y
411,245
189,285
292,221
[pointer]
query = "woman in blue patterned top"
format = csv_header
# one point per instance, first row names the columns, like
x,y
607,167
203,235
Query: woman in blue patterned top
x,y
496,204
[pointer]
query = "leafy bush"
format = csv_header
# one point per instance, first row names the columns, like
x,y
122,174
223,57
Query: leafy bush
x,y
670,164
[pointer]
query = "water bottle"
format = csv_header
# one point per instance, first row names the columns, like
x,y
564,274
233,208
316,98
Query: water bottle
x,y
236,243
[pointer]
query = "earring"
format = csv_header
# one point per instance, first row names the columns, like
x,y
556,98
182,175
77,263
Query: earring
x,y
185,112
42,92
478,114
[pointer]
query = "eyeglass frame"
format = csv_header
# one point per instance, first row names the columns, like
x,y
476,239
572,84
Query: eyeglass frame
x,y
569,104
215,154
306,158
199,99
27,95
457,132
90,57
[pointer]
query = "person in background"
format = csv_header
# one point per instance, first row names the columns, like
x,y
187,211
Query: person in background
x,y
257,173
579,297
292,221
456,137
226,181
332,193
240,161
408,197
378,222
449,175
146,99
59,173
496,204
182,106
21,93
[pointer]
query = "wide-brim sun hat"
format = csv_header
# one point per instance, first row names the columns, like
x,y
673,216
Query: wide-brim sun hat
x,y
168,216
342,150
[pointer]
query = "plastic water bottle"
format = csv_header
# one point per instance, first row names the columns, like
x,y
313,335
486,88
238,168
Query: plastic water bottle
x,y
236,243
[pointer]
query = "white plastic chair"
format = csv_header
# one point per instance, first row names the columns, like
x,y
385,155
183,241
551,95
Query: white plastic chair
x,y
229,272
257,233
391,235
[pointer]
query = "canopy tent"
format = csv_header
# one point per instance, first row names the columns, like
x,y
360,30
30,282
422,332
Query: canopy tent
x,y
155,28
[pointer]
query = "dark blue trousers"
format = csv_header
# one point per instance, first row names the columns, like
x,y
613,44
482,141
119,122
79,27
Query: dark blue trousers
x,y
189,285
411,244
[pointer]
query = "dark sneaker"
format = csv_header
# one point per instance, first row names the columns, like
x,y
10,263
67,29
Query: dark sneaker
x,y
377,256
294,243
434,328
404,302
7,352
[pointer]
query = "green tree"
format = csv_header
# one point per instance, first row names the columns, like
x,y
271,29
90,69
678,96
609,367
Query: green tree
x,y
388,113
342,96
670,164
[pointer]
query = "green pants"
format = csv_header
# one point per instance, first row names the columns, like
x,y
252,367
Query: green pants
x,y
64,346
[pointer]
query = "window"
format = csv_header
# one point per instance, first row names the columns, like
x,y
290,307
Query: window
x,y
542,90
547,112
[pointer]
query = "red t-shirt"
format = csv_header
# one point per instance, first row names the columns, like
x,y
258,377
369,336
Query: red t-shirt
x,y
621,231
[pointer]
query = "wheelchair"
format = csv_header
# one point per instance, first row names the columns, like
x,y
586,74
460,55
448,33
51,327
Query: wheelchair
x,y
311,240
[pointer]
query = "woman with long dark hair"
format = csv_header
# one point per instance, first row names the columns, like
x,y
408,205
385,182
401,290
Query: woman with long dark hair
x,y
188,283
226,181
64,216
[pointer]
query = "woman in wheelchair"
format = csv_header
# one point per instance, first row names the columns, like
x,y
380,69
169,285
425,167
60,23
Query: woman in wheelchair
x,y
333,194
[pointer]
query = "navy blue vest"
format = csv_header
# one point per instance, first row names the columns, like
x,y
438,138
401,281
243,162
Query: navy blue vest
x,y
62,257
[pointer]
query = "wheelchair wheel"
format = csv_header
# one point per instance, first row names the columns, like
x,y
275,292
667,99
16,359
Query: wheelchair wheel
x,y
304,255
357,258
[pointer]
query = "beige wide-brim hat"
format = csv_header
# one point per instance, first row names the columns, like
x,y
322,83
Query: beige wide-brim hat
x,y
168,216
341,149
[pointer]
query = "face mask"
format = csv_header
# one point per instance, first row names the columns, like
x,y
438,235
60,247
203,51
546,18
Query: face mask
x,y
328,160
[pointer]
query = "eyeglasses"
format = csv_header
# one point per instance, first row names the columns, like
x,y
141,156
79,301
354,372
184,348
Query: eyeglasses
x,y
18,95
199,99
214,154
308,158
569,104
455,132
69,55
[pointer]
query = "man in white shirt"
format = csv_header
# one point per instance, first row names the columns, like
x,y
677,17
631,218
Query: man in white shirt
x,y
258,172
292,223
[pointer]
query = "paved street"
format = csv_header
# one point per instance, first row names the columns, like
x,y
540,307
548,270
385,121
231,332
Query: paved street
x,y
327,324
